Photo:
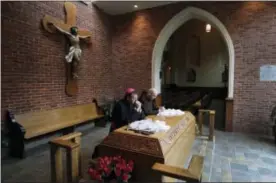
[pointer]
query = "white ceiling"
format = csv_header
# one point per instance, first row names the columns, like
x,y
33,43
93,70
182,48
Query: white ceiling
x,y
121,7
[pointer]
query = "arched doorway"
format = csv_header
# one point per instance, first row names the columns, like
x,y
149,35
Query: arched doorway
x,y
173,25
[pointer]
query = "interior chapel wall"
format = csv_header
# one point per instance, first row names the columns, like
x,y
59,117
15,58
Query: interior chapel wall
x,y
252,29
33,60
33,72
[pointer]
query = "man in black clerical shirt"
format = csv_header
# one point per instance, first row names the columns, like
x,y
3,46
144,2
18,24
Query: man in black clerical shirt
x,y
127,110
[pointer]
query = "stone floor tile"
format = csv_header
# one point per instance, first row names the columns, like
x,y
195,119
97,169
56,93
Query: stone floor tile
x,y
268,179
251,155
241,167
241,149
264,171
268,160
225,154
241,179
216,178
205,177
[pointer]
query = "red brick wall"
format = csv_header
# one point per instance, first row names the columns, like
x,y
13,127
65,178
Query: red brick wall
x,y
253,30
33,72
33,69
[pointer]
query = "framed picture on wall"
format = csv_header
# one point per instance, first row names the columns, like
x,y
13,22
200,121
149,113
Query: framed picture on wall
x,y
193,50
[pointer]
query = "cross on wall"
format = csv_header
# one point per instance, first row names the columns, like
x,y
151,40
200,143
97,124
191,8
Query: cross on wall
x,y
65,27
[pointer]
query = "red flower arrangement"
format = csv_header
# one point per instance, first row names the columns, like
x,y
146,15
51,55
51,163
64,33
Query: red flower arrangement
x,y
111,168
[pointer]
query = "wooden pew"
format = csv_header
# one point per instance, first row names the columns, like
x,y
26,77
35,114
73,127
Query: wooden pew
x,y
182,100
203,103
34,124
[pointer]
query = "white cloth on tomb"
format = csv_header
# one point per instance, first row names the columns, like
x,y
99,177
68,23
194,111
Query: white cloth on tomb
x,y
170,113
149,125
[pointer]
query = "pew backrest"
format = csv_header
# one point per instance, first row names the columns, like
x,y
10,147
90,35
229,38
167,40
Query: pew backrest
x,y
43,122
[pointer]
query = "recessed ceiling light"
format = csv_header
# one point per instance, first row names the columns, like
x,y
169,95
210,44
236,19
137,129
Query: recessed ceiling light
x,y
135,6
208,28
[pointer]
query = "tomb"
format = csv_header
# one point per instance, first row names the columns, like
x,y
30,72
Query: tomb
x,y
158,154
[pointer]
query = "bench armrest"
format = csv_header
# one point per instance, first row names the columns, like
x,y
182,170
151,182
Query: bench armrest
x,y
64,144
206,110
100,110
193,173
70,136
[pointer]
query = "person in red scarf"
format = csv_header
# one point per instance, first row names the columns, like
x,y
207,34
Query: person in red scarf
x,y
127,110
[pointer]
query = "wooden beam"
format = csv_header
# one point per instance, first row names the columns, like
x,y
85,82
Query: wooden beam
x,y
71,13
229,115
192,174
212,114
71,143
56,164
196,166
64,144
78,141
211,125
70,136
73,164
200,119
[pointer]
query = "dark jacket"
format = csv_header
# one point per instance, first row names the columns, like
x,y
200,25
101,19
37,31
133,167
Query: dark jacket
x,y
149,107
123,114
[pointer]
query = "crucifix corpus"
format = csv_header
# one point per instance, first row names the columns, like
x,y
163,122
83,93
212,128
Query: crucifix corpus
x,y
74,34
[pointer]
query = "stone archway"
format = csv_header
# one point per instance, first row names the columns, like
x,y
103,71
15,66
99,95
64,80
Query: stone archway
x,y
172,25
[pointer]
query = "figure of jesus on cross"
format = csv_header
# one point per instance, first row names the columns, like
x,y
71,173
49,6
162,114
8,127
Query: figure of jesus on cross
x,y
74,35
74,38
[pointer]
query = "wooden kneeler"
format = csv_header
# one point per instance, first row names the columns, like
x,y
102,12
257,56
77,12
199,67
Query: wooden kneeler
x,y
71,143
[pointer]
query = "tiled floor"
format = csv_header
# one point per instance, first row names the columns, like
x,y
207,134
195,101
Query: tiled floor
x,y
232,158
242,158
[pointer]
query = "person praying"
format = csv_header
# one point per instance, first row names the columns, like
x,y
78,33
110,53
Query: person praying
x,y
147,99
127,110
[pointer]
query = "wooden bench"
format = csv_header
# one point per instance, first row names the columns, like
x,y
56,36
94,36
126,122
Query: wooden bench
x,y
34,124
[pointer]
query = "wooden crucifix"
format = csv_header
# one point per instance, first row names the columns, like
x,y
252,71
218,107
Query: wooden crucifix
x,y
74,35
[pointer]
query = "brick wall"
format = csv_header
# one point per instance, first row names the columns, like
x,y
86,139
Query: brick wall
x,y
33,69
33,72
252,28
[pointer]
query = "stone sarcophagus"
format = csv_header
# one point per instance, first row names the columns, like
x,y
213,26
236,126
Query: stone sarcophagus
x,y
155,155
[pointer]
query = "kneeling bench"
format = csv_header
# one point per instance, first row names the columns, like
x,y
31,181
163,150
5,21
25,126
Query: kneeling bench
x,y
34,124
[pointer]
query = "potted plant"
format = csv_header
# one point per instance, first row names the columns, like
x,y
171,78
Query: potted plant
x,y
111,169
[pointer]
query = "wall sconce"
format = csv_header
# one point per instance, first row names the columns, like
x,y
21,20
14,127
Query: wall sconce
x,y
208,28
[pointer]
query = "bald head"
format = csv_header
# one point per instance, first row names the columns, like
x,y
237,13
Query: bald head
x,y
152,93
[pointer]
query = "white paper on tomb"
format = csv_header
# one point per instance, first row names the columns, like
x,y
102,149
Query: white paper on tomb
x,y
170,113
268,73
149,125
